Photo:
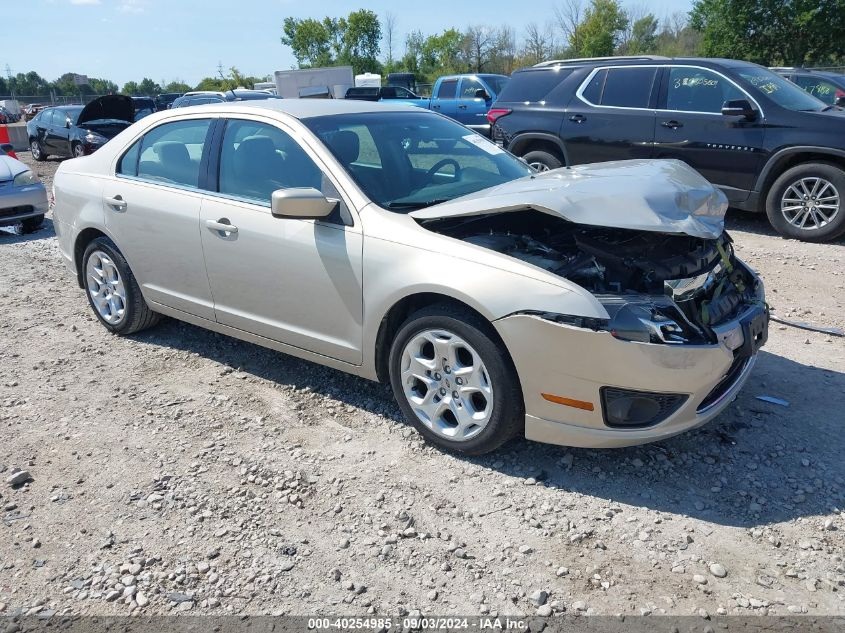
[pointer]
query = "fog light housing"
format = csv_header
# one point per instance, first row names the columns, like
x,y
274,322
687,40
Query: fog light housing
x,y
625,408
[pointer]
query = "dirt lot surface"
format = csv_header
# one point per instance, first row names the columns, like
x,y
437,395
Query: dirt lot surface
x,y
180,470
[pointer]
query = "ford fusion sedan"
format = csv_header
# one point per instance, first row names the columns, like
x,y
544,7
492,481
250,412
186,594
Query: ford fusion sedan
x,y
23,199
76,130
595,306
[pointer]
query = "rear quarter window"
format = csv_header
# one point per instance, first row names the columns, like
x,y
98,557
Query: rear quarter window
x,y
533,85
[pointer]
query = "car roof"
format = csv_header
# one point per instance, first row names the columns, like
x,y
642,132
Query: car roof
x,y
306,108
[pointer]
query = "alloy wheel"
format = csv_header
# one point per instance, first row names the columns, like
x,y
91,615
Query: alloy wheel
x,y
35,150
539,167
810,203
447,385
78,151
108,294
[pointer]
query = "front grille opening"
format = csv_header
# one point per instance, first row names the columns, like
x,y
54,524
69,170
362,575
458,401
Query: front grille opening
x,y
13,211
629,409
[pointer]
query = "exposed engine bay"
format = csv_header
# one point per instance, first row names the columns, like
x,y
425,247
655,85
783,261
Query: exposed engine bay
x,y
699,277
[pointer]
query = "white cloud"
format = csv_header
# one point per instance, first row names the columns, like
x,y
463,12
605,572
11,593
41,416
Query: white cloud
x,y
132,6
85,1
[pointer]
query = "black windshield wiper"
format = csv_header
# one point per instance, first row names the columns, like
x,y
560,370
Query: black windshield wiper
x,y
415,205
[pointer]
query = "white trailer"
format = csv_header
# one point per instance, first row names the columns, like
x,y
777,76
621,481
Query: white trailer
x,y
368,80
11,105
314,83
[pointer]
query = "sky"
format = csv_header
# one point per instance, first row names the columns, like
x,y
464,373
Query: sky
x,y
165,40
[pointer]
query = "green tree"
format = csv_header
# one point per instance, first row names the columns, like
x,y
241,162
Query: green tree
x,y
131,88
176,85
148,87
353,40
794,32
598,34
643,36
29,84
102,86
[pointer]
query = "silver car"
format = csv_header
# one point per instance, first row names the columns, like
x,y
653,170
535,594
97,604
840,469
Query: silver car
x,y
23,199
595,306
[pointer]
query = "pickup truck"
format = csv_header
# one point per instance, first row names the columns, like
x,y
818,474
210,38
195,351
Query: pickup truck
x,y
465,98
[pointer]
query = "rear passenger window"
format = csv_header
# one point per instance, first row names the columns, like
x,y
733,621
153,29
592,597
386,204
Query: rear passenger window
x,y
171,153
256,159
533,85
128,165
592,91
628,87
447,89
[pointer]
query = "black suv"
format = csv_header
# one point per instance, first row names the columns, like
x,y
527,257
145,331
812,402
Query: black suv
x,y
766,143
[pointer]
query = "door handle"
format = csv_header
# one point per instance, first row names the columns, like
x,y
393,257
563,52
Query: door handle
x,y
435,107
577,118
117,202
222,225
462,107
672,125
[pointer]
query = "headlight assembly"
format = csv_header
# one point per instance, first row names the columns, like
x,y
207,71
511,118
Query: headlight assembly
x,y
95,139
25,178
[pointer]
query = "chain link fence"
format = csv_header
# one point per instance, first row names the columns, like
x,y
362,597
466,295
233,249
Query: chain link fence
x,y
51,100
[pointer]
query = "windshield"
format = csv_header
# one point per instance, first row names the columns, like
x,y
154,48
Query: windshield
x,y
409,160
496,82
782,91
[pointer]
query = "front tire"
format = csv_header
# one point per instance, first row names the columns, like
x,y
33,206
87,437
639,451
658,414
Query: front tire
x,y
77,150
806,202
37,151
542,161
112,290
454,381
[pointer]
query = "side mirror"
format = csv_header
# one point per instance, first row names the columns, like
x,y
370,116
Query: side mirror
x,y
302,203
67,123
7,147
840,101
481,93
739,107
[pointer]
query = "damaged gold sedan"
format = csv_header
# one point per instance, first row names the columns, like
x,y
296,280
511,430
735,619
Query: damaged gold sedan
x,y
595,306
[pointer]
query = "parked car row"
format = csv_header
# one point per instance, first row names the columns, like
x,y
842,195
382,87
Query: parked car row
x,y
768,144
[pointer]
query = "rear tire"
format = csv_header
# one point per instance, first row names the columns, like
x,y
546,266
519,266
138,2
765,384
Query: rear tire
x,y
791,203
37,151
77,151
542,161
112,291
468,399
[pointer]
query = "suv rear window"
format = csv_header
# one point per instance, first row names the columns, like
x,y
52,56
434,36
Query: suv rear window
x,y
533,85
621,87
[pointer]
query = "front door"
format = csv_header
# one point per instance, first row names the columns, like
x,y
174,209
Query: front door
x,y
298,282
611,117
691,127
470,109
152,209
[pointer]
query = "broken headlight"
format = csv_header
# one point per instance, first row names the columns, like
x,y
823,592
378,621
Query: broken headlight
x,y
648,321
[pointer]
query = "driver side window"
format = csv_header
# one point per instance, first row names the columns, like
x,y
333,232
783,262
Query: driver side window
x,y
256,159
699,90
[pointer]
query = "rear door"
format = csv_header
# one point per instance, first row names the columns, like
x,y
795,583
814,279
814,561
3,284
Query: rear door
x,y
444,100
691,128
611,116
42,127
152,208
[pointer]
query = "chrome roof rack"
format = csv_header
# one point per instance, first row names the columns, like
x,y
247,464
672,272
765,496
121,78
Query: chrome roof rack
x,y
581,60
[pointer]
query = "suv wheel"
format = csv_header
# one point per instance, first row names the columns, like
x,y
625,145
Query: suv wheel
x,y
542,161
454,382
77,150
806,202
112,290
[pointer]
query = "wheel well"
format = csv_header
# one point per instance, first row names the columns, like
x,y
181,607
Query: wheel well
x,y
791,160
397,315
541,145
82,241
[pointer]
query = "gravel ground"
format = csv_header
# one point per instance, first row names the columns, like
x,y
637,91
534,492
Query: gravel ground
x,y
179,470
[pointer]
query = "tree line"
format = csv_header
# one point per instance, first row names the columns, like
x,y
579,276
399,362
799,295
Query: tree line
x,y
768,32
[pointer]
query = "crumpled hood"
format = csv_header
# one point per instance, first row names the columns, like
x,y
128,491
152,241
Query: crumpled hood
x,y
665,196
118,107
9,168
